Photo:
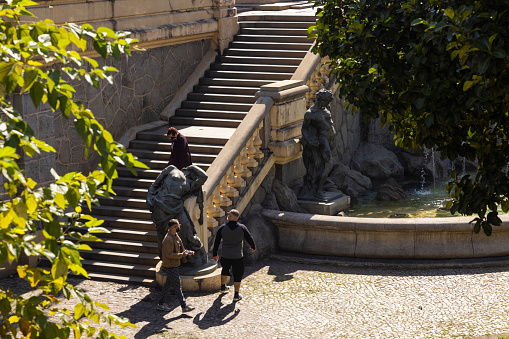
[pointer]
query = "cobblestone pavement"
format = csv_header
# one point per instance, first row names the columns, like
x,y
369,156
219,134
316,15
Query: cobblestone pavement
x,y
291,300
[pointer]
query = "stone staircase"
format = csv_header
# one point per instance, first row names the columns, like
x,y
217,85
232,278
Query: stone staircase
x,y
268,48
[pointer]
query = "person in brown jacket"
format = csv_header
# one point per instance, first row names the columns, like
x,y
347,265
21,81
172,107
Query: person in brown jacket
x,y
173,252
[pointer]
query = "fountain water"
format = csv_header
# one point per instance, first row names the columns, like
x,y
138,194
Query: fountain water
x,y
433,171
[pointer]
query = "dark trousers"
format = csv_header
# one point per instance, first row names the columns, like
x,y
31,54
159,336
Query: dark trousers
x,y
172,282
237,268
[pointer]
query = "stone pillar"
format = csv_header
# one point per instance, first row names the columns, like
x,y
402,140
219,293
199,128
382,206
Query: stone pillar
x,y
286,117
225,13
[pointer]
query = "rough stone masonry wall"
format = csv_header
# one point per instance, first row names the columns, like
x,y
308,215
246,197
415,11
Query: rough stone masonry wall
x,y
348,130
146,82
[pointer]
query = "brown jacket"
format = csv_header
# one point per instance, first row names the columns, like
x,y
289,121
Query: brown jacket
x,y
172,250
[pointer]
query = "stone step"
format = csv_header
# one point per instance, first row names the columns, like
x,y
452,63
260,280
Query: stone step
x,y
123,212
123,279
266,53
274,31
161,155
276,17
161,164
226,106
249,75
294,46
122,257
226,90
274,38
166,146
125,191
128,234
236,82
207,122
125,246
204,137
127,223
295,61
218,97
276,24
202,113
126,202
124,233
134,182
142,174
253,68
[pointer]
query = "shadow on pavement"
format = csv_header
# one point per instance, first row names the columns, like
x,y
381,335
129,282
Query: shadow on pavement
x,y
217,314
145,311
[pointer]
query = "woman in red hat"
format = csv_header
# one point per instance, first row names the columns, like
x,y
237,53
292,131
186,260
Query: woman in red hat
x,y
180,155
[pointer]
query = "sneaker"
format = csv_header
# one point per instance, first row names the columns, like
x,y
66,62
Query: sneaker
x,y
163,307
186,308
237,297
224,289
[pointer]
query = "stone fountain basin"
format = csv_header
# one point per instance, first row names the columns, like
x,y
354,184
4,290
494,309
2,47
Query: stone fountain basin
x,y
377,238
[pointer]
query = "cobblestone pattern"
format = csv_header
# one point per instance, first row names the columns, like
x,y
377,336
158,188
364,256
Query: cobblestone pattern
x,y
145,83
291,300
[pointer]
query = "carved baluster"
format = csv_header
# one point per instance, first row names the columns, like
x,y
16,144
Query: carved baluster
x,y
244,160
224,189
216,198
257,143
251,152
321,78
230,179
238,169
211,222
325,70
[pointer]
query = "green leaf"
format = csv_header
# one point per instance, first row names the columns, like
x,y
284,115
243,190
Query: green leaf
x,y
92,62
450,13
499,53
29,76
79,309
467,85
483,66
417,21
65,106
36,93
58,269
104,31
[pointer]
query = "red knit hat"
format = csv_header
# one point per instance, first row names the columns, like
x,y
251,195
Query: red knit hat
x,y
172,130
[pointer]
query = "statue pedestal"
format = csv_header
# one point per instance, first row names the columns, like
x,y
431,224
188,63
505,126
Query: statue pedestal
x,y
205,278
332,204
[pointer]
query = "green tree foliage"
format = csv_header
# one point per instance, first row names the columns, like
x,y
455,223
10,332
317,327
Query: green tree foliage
x,y
27,47
437,72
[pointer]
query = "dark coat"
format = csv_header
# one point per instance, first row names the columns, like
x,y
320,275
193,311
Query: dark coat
x,y
180,155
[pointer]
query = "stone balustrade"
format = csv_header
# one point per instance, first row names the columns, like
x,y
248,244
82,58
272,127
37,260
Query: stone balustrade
x,y
268,136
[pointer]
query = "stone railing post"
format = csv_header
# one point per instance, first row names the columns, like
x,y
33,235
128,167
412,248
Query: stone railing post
x,y
225,13
286,116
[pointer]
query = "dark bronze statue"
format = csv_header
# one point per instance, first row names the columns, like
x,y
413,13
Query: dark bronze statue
x,y
166,199
317,139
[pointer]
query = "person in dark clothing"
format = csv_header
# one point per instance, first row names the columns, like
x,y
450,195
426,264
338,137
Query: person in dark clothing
x,y
180,155
232,233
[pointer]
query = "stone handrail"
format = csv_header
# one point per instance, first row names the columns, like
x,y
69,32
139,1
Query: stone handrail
x,y
237,142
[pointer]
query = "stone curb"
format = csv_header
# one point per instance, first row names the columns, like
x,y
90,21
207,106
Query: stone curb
x,y
492,336
390,264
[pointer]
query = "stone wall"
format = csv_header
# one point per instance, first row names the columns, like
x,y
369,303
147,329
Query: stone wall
x,y
348,131
146,82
